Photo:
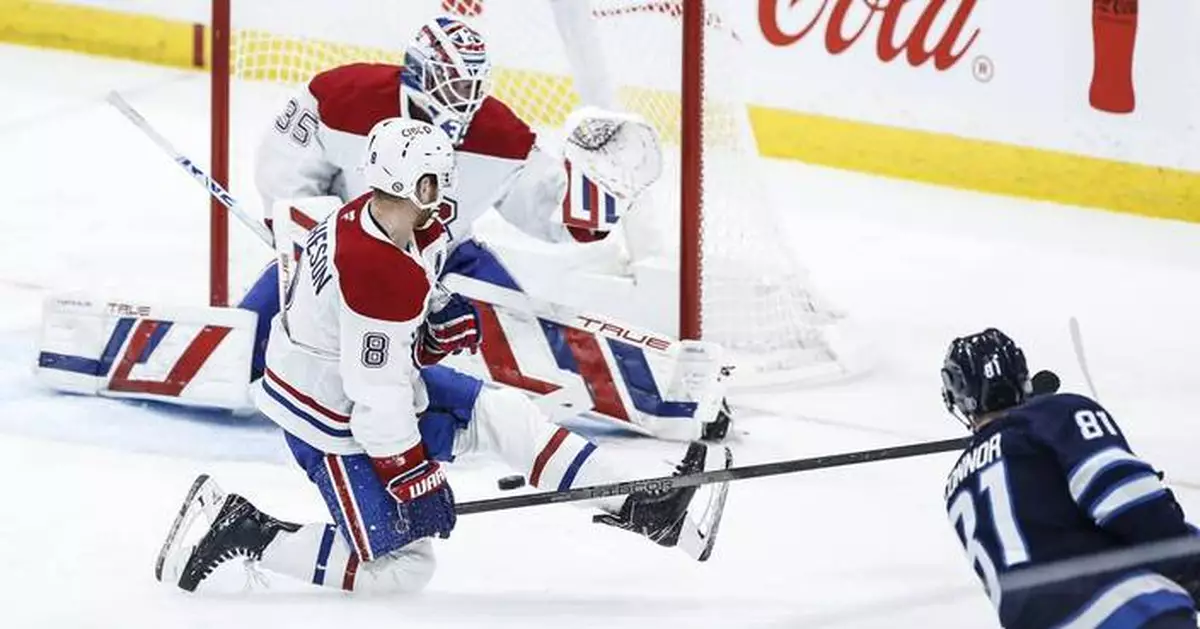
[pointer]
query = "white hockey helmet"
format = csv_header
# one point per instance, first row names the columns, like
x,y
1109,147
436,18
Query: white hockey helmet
x,y
401,151
446,71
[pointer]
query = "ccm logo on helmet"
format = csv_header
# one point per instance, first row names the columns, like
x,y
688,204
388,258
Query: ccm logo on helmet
x,y
411,131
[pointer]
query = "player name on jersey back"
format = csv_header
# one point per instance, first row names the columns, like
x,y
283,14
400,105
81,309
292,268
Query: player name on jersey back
x,y
316,249
972,461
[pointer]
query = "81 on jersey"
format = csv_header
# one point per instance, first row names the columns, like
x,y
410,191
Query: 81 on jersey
x,y
990,534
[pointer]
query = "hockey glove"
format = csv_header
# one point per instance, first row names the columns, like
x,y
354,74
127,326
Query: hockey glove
x,y
453,326
423,495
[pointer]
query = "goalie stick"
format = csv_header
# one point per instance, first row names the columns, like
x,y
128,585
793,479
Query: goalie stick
x,y
667,483
214,188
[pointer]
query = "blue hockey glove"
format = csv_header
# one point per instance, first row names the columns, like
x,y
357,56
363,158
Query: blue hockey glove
x,y
450,327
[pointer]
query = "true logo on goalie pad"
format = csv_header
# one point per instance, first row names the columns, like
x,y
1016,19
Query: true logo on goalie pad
x,y
615,371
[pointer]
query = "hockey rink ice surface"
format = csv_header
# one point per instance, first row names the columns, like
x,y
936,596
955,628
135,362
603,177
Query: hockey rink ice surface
x,y
90,485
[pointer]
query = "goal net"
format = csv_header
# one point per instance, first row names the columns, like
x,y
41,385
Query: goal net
x,y
748,291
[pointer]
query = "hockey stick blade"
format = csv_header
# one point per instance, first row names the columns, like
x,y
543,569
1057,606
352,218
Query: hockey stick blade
x,y
667,483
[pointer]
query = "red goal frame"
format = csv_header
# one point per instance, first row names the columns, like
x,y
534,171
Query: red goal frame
x,y
218,231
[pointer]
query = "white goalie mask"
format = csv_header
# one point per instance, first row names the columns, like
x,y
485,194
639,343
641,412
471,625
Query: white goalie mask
x,y
401,151
446,73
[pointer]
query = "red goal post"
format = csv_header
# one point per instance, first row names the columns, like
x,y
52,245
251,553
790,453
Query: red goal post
x,y
739,282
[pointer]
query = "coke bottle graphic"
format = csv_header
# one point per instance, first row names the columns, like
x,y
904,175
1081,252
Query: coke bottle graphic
x,y
1114,31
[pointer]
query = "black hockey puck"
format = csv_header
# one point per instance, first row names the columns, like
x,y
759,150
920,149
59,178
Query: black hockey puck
x,y
511,482
1045,382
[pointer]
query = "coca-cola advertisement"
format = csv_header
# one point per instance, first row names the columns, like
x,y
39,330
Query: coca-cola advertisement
x,y
843,23
1100,79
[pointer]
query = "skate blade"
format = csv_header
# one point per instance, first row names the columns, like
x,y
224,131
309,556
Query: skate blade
x,y
699,534
204,497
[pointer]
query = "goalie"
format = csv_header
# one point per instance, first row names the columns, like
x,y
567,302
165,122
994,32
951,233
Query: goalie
x,y
309,159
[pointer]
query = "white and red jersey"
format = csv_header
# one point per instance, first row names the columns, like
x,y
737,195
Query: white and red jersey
x,y
317,145
339,368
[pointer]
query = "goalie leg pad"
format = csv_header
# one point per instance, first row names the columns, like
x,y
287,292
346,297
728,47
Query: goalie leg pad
x,y
192,356
636,379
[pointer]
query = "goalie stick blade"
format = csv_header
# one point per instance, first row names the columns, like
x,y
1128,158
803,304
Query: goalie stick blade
x,y
699,535
204,497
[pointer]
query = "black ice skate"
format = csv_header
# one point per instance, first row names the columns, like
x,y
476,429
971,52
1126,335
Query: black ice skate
x,y
203,498
717,429
236,528
687,517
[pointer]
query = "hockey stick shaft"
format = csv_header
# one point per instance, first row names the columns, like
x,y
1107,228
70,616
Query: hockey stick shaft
x,y
1087,565
214,188
1080,357
666,483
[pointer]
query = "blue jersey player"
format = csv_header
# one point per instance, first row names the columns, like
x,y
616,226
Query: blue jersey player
x,y
1051,477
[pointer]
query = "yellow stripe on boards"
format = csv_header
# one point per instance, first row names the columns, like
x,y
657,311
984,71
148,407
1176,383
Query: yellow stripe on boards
x,y
100,32
981,165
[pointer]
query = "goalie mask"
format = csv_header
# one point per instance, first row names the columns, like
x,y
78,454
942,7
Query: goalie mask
x,y
983,373
446,72
401,151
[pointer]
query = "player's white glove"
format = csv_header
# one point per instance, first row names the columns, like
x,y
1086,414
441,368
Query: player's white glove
x,y
611,158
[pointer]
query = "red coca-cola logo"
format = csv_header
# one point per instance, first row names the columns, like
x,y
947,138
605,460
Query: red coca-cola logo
x,y
842,30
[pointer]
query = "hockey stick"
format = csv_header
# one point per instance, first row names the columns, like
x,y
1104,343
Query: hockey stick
x,y
667,483
1077,343
1124,558
215,189
1081,358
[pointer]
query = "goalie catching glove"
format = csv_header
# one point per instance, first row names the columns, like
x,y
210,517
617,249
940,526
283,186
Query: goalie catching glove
x,y
423,496
610,159
451,326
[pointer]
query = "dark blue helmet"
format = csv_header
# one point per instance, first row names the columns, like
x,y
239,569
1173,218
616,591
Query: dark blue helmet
x,y
984,372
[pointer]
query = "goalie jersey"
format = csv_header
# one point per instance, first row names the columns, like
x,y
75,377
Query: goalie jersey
x,y
339,372
1053,479
317,142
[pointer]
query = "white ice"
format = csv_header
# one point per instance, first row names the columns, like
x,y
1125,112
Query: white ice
x,y
89,485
